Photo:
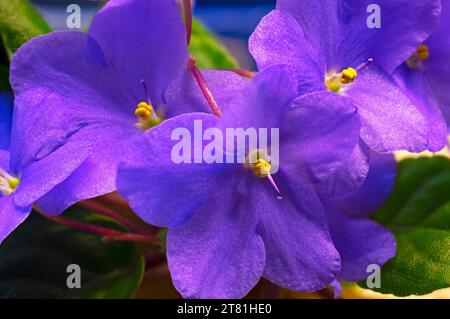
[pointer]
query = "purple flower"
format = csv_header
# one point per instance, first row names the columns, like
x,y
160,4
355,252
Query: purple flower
x,y
107,85
360,241
6,104
330,47
23,180
426,73
232,223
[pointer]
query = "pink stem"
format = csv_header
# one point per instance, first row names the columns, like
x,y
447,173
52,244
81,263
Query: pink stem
x,y
204,87
103,231
116,202
243,72
188,19
99,208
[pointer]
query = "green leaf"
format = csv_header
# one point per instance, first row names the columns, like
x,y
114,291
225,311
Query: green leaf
x,y
418,213
19,22
34,260
208,52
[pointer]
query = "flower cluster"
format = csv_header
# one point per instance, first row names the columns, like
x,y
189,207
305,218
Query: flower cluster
x,y
95,113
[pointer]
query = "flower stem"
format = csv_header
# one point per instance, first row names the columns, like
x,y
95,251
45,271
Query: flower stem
x,y
99,208
99,230
243,72
114,202
204,87
155,260
187,7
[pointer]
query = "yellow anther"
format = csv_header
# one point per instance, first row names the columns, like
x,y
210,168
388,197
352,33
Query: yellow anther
x,y
13,183
144,111
147,117
348,75
335,81
422,52
333,86
261,168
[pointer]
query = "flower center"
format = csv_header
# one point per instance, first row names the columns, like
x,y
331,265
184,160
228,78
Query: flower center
x,y
335,81
8,183
422,53
146,115
338,81
261,168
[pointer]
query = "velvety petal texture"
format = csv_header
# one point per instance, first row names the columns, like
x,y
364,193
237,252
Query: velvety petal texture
x,y
163,191
227,226
390,121
76,94
343,38
343,34
11,215
300,254
65,103
375,190
183,95
218,253
279,39
142,40
322,130
360,242
427,82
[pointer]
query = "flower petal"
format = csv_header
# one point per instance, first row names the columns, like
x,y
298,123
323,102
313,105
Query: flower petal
x,y
263,102
299,252
59,91
184,95
360,242
59,63
160,190
389,120
342,33
375,190
96,176
4,160
5,120
350,175
279,39
321,131
142,40
420,88
217,253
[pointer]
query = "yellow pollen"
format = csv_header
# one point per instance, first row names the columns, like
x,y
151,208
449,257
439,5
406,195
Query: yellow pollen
x,y
348,75
13,183
422,52
261,168
334,86
336,81
143,111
